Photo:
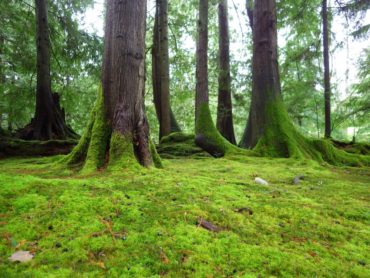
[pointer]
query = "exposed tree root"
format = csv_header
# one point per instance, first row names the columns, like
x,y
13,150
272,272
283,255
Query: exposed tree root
x,y
209,138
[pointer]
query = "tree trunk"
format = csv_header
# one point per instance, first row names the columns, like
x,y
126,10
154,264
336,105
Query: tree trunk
x,y
224,109
49,121
327,90
270,132
117,135
206,134
2,77
165,127
160,71
201,97
266,81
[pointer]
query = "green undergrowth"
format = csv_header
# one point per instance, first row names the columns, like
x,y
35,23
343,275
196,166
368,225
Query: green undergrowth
x,y
144,222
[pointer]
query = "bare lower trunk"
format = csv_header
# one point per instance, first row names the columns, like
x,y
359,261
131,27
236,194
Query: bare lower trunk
x,y
201,97
224,109
327,91
165,127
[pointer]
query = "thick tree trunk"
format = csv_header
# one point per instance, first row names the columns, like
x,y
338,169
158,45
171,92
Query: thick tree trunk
x,y
160,71
49,120
117,135
224,110
270,132
266,81
327,90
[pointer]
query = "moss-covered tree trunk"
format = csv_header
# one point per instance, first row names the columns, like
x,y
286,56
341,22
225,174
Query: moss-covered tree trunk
x,y
49,120
206,135
269,130
160,71
224,110
117,135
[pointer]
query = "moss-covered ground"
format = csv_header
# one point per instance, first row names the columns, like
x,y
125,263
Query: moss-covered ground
x,y
144,222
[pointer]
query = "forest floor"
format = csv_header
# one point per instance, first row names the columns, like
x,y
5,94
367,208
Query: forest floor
x,y
148,223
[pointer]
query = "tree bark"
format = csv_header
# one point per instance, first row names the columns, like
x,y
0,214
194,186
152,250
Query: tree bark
x,y
49,120
165,127
224,109
206,134
117,135
201,97
327,89
160,71
266,80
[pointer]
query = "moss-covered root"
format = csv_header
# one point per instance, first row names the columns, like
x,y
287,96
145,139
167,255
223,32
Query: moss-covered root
x,y
339,157
282,139
155,156
94,143
208,138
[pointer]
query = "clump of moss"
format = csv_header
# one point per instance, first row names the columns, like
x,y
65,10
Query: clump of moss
x,y
350,147
178,145
177,137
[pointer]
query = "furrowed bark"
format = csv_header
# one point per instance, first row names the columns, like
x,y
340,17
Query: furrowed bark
x,y
117,136
266,80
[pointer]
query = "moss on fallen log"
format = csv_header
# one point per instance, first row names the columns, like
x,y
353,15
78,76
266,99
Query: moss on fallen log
x,y
18,147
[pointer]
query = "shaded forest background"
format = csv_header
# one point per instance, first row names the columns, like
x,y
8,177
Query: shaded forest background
x,y
76,65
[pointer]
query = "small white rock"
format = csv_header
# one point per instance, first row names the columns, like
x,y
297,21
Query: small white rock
x,y
261,181
21,256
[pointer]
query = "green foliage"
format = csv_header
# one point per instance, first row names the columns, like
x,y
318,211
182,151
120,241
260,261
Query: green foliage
x,y
144,223
75,61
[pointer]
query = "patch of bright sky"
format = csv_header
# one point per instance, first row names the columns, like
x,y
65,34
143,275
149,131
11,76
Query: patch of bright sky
x,y
342,59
